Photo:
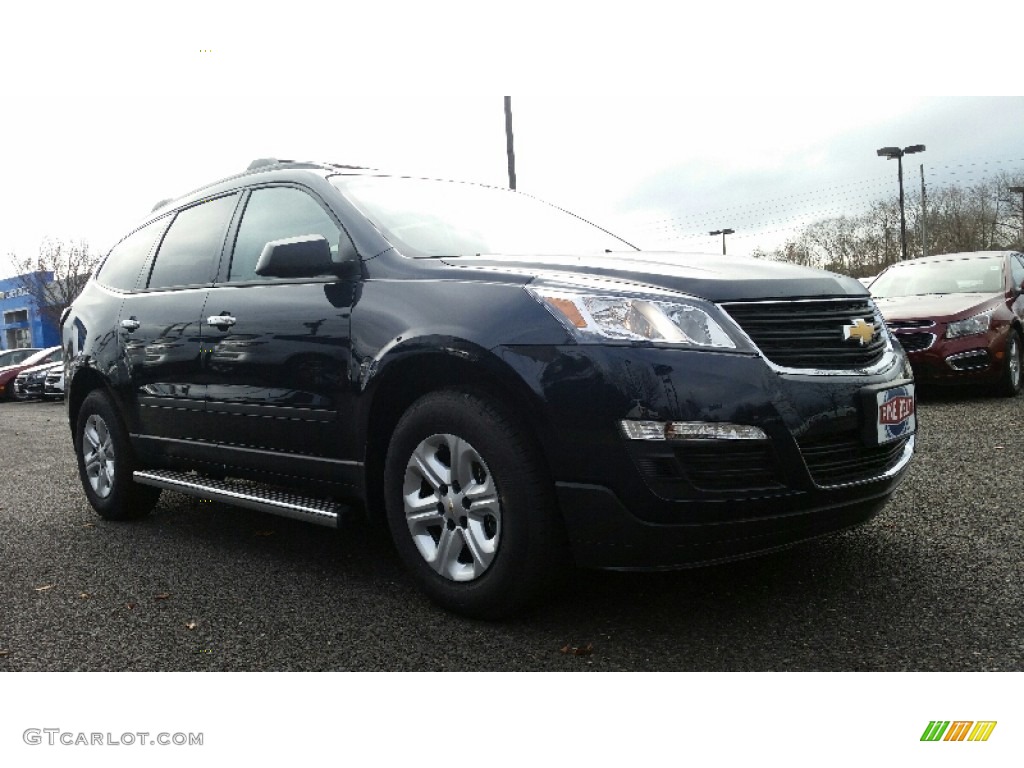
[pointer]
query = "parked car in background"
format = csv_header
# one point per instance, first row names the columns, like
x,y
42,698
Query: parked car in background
x,y
28,384
959,316
867,281
53,384
9,373
509,387
15,356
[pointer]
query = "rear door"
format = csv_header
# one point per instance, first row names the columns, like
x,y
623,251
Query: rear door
x,y
161,331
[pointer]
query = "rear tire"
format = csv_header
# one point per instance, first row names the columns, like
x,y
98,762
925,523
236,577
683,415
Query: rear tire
x,y
470,506
106,462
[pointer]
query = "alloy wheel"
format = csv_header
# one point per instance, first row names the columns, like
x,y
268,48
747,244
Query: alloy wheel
x,y
452,508
98,453
1014,362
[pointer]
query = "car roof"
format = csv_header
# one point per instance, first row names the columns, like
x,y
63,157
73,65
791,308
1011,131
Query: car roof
x,y
952,256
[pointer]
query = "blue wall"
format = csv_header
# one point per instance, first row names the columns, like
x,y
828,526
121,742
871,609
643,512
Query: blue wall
x,y
12,299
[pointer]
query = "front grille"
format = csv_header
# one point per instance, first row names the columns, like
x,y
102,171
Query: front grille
x,y
809,334
915,342
843,458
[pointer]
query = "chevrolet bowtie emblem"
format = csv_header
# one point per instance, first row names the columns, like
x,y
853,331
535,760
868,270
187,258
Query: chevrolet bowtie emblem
x,y
860,330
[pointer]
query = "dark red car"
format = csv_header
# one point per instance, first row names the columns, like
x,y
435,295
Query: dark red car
x,y
9,373
959,316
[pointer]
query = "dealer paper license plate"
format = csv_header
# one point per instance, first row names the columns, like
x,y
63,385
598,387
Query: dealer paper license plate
x,y
896,415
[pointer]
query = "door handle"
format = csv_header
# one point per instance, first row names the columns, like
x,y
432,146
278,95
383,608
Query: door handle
x,y
220,320
130,324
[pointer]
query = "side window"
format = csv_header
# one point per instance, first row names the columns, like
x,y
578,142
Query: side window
x,y
124,262
191,248
273,213
1017,270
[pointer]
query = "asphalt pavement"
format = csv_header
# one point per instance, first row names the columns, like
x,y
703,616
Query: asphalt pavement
x,y
935,582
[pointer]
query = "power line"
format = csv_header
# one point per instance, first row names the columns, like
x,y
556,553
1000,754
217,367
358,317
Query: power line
x,y
850,199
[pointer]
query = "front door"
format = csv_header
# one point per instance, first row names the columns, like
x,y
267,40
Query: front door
x,y
278,350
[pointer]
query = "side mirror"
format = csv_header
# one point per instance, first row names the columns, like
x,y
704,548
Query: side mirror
x,y
302,256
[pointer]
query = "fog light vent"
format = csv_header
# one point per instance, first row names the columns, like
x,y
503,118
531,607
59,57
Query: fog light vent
x,y
969,361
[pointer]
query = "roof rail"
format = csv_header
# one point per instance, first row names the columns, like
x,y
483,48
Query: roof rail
x,y
262,162
162,203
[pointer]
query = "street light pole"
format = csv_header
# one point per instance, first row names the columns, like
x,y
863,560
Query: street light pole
x,y
723,233
896,152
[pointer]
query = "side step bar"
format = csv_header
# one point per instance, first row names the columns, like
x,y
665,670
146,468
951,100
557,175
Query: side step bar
x,y
243,494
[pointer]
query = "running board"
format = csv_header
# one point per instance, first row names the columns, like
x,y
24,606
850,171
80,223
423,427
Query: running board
x,y
243,494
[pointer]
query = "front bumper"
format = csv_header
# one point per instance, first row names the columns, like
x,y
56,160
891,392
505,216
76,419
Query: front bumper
x,y
606,534
979,358
639,504
28,388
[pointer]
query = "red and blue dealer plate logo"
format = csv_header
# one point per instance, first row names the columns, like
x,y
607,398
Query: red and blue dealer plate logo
x,y
896,413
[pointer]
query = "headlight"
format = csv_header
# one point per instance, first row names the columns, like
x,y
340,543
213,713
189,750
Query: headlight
x,y
970,326
596,317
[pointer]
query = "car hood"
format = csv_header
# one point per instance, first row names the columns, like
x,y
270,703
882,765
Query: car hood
x,y
934,306
714,277
41,368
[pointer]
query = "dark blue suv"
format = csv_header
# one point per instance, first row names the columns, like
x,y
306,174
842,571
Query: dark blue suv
x,y
511,387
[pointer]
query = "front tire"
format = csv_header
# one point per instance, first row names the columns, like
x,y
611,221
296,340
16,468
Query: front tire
x,y
106,462
1013,366
470,506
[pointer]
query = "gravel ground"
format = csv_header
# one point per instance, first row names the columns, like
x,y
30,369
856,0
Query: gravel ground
x,y
936,582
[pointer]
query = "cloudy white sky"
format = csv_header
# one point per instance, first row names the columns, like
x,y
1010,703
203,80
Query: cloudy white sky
x,y
660,125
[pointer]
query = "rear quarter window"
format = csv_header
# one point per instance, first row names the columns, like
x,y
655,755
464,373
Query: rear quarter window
x,y
121,268
190,251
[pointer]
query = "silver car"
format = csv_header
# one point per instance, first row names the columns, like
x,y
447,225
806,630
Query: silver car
x,y
53,383
29,383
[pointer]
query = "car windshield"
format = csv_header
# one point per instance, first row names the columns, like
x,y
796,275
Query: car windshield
x,y
427,218
10,357
974,275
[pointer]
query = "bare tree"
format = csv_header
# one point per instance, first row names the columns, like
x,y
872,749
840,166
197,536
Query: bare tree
x,y
983,217
55,276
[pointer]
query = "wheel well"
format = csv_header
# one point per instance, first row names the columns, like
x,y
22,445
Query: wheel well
x,y
407,382
85,381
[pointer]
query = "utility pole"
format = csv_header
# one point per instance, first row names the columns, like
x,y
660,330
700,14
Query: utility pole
x,y
924,215
508,144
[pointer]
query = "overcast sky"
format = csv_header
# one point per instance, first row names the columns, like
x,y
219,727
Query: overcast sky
x,y
660,126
